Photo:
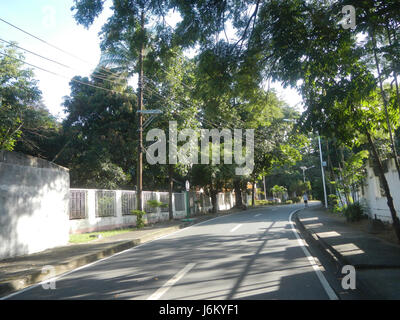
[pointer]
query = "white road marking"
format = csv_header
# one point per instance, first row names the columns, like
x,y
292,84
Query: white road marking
x,y
328,289
168,285
237,227
109,257
259,214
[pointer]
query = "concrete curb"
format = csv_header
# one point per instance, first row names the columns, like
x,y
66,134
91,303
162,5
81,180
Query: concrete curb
x,y
37,276
334,256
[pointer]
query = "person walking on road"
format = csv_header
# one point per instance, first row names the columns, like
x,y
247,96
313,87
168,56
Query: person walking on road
x,y
305,198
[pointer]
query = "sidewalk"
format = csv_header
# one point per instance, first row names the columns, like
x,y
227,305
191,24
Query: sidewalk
x,y
21,272
376,261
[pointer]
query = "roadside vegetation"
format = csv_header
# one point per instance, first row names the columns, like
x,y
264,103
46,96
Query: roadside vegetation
x,y
348,80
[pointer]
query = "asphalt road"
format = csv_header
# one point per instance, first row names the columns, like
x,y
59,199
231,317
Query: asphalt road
x,y
254,254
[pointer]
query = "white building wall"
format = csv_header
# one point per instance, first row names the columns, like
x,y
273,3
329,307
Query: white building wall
x,y
372,198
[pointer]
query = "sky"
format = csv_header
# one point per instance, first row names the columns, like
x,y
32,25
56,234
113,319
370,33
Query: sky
x,y
53,21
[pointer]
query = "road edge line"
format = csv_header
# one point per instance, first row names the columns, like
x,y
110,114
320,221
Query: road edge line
x,y
328,289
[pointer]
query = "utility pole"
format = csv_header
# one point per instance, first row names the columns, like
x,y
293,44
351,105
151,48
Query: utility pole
x,y
265,189
140,120
322,170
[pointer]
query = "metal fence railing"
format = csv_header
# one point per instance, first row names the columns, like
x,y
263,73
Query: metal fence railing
x,y
164,198
207,201
128,202
86,203
227,199
149,195
105,203
78,204
179,201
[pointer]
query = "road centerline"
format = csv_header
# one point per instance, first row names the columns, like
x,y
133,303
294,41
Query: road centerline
x,y
169,284
237,227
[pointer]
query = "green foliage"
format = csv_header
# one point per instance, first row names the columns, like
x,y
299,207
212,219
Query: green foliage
x,y
289,201
139,218
354,212
333,200
261,202
99,123
278,191
18,94
157,204
296,199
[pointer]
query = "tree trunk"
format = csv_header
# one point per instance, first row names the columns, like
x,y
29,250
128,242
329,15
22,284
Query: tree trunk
x,y
385,185
238,194
385,104
214,200
253,194
171,187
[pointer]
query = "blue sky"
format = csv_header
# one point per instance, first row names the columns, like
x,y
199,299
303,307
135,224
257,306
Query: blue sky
x,y
52,21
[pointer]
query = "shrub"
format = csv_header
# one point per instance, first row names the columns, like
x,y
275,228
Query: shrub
x,y
333,200
139,218
261,202
296,199
289,201
337,209
154,203
354,212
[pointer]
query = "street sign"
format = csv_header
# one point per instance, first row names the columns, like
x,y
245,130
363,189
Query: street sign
x,y
187,185
156,111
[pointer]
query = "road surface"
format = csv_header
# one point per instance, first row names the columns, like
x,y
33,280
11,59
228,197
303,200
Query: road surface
x,y
254,254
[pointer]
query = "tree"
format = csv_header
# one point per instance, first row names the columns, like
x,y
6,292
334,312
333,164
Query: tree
x,y
278,191
99,122
41,134
18,94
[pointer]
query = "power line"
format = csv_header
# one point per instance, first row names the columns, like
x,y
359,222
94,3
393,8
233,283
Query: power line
x,y
62,76
51,45
59,63
204,120
78,58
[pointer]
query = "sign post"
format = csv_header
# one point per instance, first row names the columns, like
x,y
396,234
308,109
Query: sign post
x,y
187,186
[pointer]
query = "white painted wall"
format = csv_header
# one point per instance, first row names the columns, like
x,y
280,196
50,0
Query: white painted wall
x,y
93,223
34,197
375,203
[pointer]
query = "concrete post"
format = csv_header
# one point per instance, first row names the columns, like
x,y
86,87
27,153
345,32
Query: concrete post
x,y
91,203
118,206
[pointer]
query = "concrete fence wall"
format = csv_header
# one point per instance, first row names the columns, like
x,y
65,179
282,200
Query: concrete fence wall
x,y
372,195
96,210
34,196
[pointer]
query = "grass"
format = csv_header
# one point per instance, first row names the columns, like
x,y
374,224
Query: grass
x,y
86,237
